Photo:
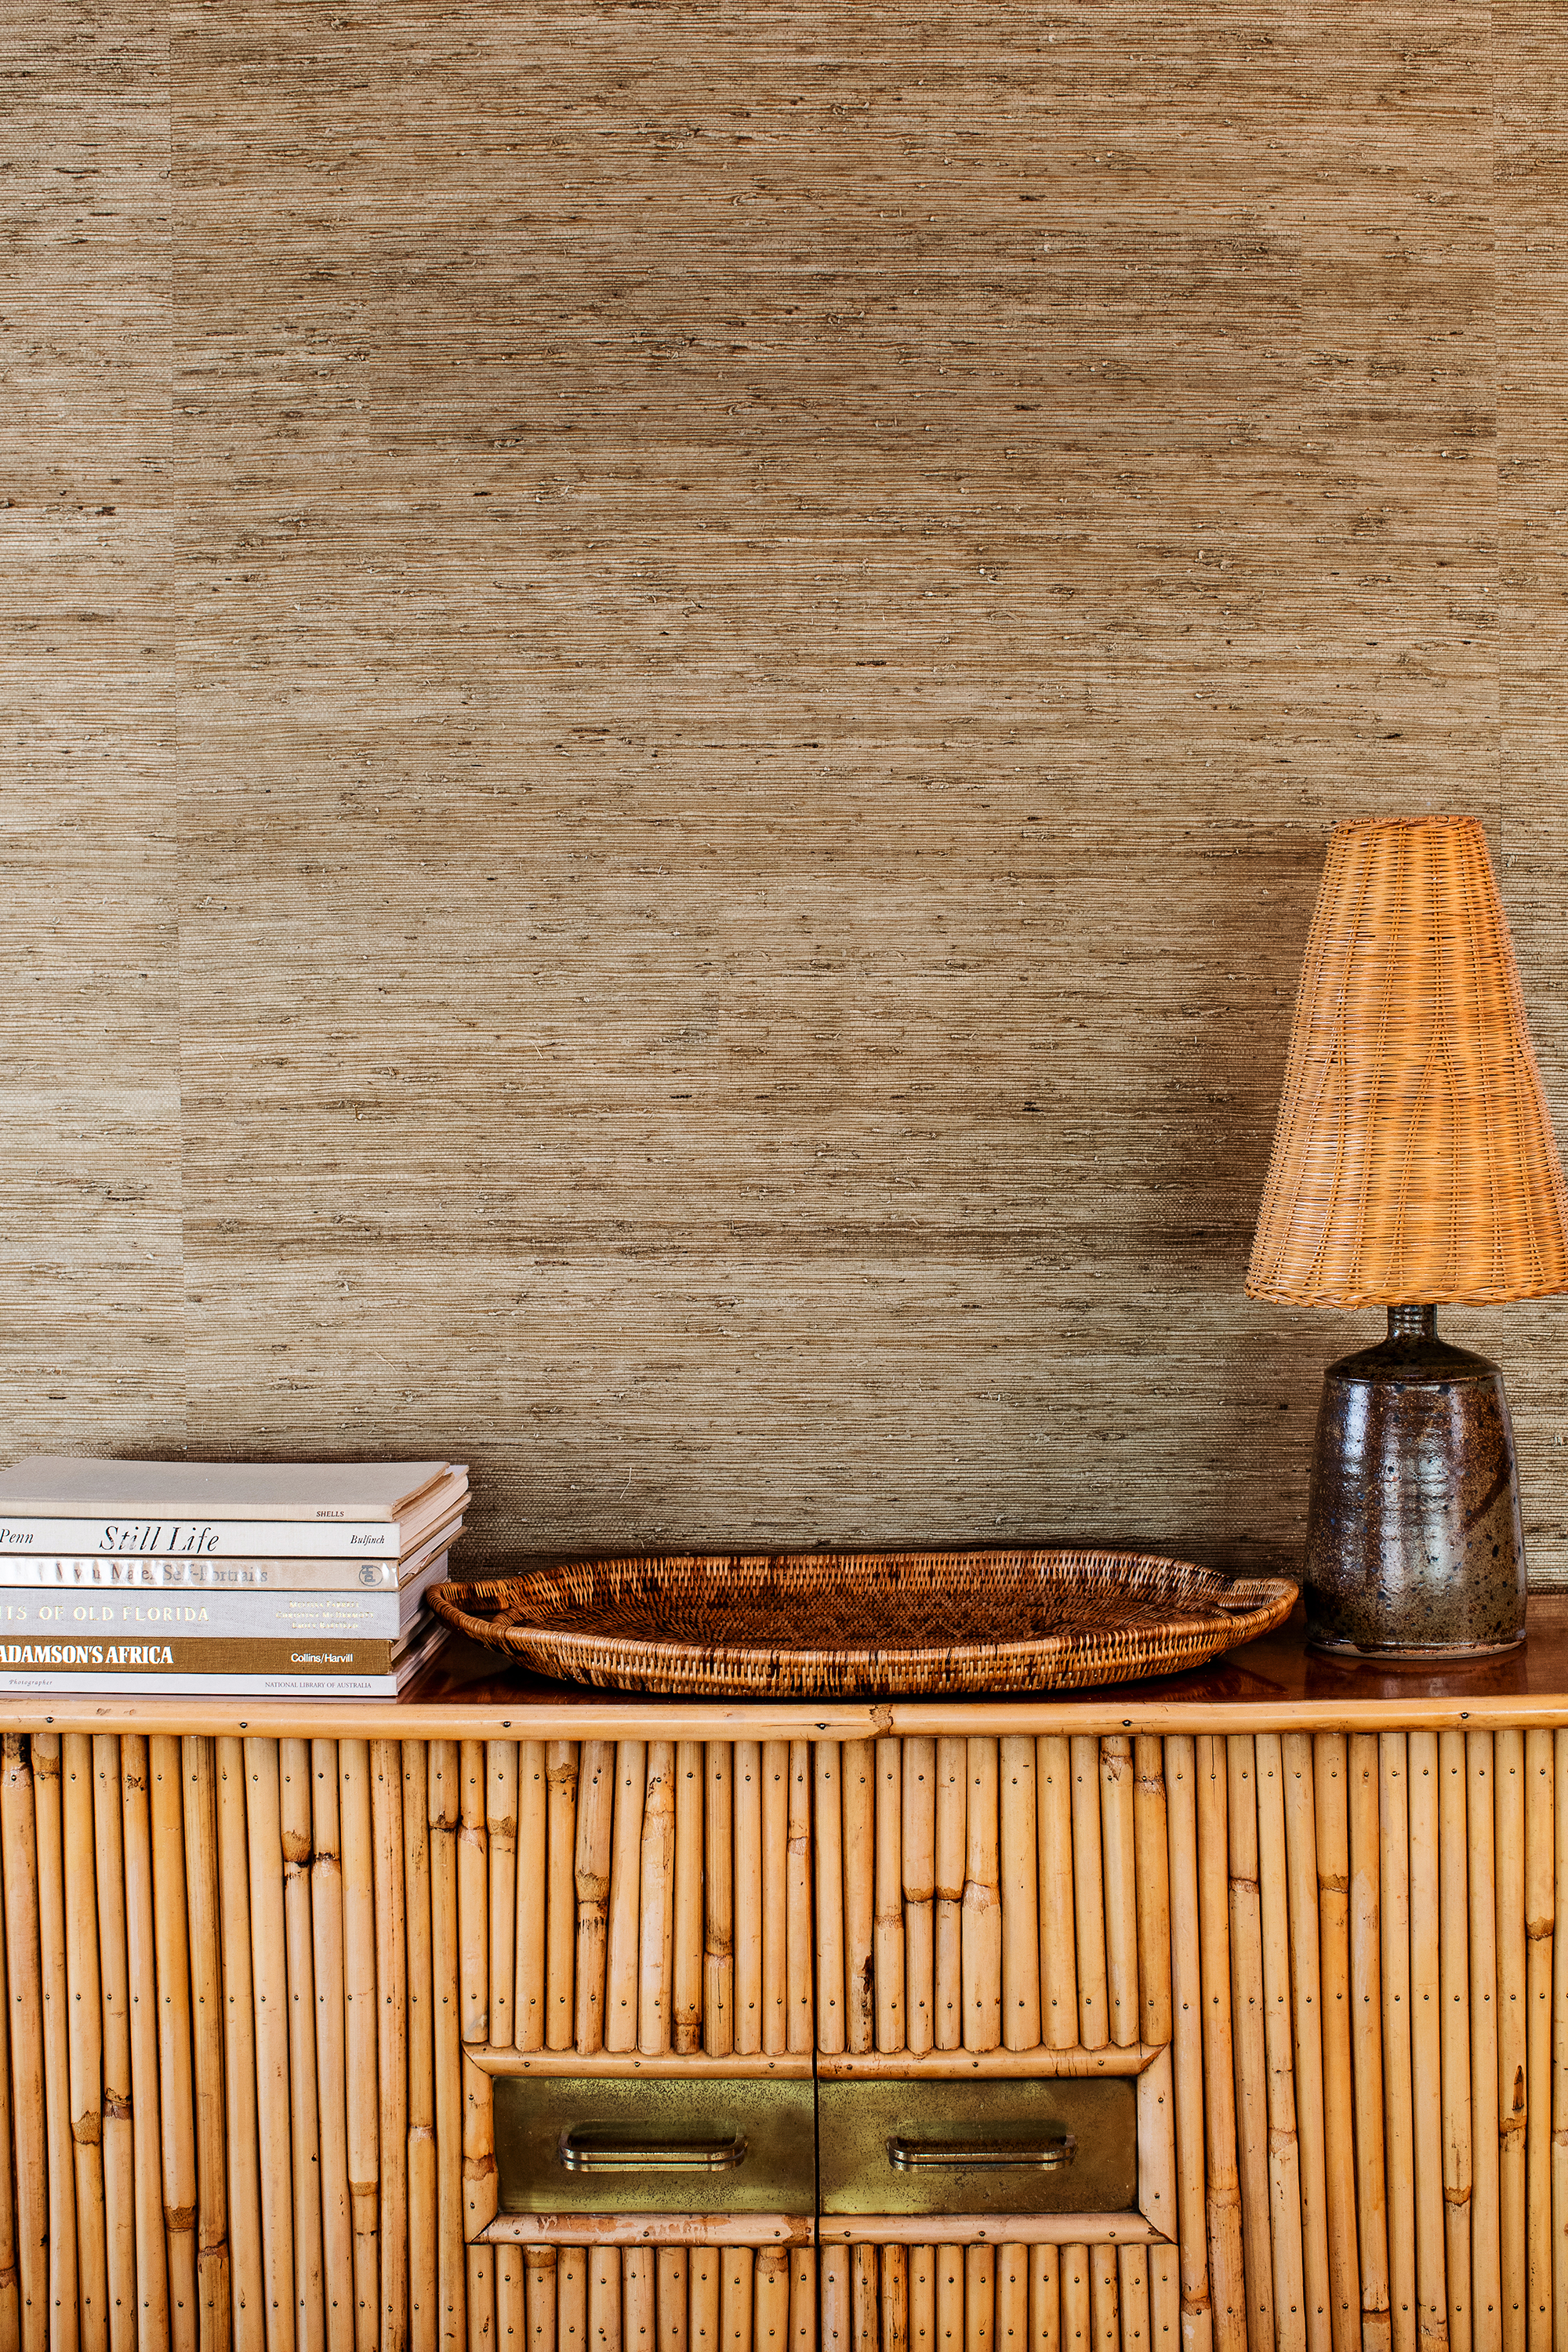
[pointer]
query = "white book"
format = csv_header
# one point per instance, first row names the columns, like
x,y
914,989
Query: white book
x,y
217,1572
89,1486
214,1613
179,1666
228,1538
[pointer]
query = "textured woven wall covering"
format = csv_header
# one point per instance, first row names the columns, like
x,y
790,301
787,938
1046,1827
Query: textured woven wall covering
x,y
674,680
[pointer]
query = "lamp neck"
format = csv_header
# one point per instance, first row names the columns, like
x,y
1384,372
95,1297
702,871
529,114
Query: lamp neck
x,y
1413,1322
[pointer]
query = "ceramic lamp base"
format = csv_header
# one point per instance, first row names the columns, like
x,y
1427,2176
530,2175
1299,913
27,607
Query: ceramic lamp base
x,y
1414,1543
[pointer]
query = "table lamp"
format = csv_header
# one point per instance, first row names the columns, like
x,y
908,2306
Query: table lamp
x,y
1413,1164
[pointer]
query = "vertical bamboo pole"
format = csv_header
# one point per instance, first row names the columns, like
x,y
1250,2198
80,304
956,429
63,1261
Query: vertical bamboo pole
x,y
1512,2036
443,1806
1454,1969
1078,2306
655,1915
1165,2304
1246,2013
857,1774
1152,1863
392,2012
533,1905
153,2313
1279,2050
572,2299
719,1905
1104,2314
800,2033
118,2190
481,2295
1045,2300
1134,2290
1423,1775
64,2280
119,2152
770,2300
918,1841
561,1906
1539,1810
863,2330
1331,1797
1120,1878
687,1978
591,1885
983,1902
703,2298
423,2294
511,2299
737,2264
639,2319
889,1875
269,1981
177,2090
952,1847
802,2301
626,1869
540,2263
1393,1981
832,2287
19,1849
1306,1970
363,2101
894,2299
83,2023
1486,2264
979,2297
1020,1893
214,2280
747,1897
920,2273
473,1898
1088,1893
670,2293
1187,2054
1012,2325
774,1880
950,2297
501,1842
1227,2291
1559,2046
331,2084
294,1794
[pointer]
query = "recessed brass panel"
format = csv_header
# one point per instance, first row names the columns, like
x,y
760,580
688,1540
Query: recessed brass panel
x,y
1041,2145
610,2144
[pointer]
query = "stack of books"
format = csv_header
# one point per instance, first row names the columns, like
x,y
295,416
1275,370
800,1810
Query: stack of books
x,y
270,1579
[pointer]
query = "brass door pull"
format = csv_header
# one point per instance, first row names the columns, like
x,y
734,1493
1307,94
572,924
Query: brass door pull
x,y
1042,2155
587,2149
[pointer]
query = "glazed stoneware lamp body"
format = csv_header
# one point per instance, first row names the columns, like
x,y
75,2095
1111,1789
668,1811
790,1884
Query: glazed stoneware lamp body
x,y
1413,1164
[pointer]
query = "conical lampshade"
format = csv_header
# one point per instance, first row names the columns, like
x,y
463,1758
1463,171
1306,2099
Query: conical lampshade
x,y
1414,1158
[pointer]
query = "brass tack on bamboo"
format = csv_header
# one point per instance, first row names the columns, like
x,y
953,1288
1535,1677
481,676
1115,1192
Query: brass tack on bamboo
x,y
501,1843
1247,2008
1152,1864
18,1856
294,1823
669,2289
979,2291
1424,1778
84,2035
893,2298
392,2015
655,1916
424,2297
918,1841
949,2297
774,1875
859,1787
1331,1799
532,1898
951,1835
1227,2291
833,2288
1513,2040
473,1895
800,2029
1121,1877
1486,2262
1393,1831
511,2300
1012,2329
1305,1965
331,2093
1539,1863
1187,1995
639,2326
271,1988
540,2267
595,1802
1278,2047
718,1902
213,2283
141,1938
626,1874
687,1985
1019,1889
888,1926
736,2266
864,2317
770,2300
1088,1893
1104,2300
1133,2286
561,1897
1454,1971
177,2090
1044,2299
363,2104
983,1900
1058,1940
703,2298
119,2153
1078,2310
481,2295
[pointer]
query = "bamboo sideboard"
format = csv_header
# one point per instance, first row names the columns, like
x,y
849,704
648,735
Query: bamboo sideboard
x,y
265,1967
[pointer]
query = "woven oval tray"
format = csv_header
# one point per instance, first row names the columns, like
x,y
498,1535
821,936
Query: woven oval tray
x,y
831,1623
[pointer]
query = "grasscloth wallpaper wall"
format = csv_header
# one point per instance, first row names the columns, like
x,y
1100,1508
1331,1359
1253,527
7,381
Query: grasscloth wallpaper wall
x,y
673,679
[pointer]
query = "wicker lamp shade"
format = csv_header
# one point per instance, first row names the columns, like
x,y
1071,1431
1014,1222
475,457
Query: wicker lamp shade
x,y
1413,1157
